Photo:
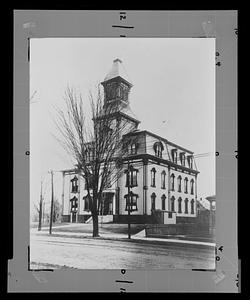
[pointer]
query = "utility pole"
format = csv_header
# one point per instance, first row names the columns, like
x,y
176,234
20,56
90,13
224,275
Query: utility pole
x,y
129,202
43,211
40,209
52,203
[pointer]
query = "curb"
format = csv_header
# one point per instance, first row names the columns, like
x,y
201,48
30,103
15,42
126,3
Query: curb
x,y
133,239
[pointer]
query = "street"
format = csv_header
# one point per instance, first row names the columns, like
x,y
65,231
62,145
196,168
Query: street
x,y
55,251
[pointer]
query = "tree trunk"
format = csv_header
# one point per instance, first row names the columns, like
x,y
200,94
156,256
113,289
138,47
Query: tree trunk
x,y
95,225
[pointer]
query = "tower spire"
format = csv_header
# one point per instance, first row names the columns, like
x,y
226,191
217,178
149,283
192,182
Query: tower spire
x,y
117,87
117,70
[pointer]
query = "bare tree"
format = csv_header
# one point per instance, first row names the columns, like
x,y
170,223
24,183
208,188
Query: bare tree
x,y
97,149
35,216
56,211
39,209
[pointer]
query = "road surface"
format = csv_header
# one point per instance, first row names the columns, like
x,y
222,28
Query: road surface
x,y
53,251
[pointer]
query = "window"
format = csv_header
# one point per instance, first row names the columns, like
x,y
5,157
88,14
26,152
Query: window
x,y
119,91
88,154
74,188
153,196
190,161
183,158
186,206
86,203
111,90
179,183
131,178
132,148
179,205
158,147
192,186
186,185
153,171
163,202
131,201
124,91
108,181
172,182
74,204
172,204
106,133
163,179
125,97
192,206
107,91
90,182
174,155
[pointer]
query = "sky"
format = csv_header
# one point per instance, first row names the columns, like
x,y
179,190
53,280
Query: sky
x,y
173,95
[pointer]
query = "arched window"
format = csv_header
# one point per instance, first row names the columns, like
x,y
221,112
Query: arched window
x,y
107,133
119,92
186,206
131,202
74,188
108,183
179,205
86,203
172,182
131,177
153,171
192,206
89,181
125,94
107,90
186,185
89,150
124,91
192,186
190,161
163,179
173,203
74,204
163,202
132,148
158,148
179,183
153,196
174,155
113,92
182,158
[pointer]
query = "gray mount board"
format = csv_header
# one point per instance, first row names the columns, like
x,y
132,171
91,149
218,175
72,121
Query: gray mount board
x,y
185,24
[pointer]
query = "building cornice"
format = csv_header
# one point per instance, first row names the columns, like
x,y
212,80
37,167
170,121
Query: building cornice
x,y
129,117
115,78
159,160
115,114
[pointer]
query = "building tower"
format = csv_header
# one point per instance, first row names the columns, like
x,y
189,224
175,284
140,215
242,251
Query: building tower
x,y
117,87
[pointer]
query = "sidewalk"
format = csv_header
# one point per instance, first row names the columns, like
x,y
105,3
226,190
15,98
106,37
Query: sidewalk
x,y
118,236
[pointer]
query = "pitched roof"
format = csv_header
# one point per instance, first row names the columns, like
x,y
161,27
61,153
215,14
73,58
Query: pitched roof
x,y
128,111
117,70
203,204
160,138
